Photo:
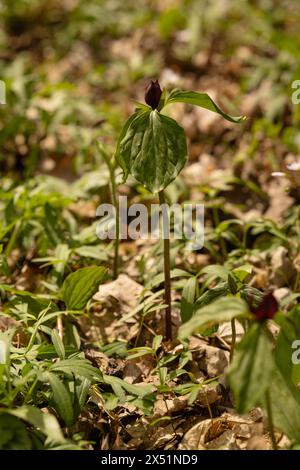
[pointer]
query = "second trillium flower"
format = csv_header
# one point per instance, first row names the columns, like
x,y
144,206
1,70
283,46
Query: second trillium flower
x,y
267,308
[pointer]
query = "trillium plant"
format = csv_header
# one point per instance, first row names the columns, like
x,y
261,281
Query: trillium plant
x,y
264,370
152,148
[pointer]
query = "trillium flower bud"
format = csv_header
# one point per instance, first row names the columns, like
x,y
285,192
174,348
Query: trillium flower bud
x,y
152,94
267,308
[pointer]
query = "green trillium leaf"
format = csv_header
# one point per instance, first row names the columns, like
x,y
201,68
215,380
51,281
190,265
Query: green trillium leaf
x,y
287,344
202,100
285,400
118,155
250,372
152,148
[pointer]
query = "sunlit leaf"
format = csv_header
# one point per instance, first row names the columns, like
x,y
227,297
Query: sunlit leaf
x,y
81,285
45,422
202,100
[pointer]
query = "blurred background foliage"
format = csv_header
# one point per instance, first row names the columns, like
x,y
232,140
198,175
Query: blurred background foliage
x,y
72,66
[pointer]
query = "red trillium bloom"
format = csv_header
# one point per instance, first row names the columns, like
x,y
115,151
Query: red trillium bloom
x,y
267,308
152,94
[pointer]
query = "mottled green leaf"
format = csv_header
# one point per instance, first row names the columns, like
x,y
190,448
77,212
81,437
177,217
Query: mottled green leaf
x,y
152,149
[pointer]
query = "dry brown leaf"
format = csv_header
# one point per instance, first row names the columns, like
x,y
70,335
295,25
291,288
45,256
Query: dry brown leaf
x,y
117,298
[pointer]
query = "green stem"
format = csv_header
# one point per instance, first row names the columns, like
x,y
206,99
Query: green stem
x,y
270,420
168,315
233,339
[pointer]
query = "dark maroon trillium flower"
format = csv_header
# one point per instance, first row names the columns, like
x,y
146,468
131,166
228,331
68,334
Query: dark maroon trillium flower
x,y
152,94
267,308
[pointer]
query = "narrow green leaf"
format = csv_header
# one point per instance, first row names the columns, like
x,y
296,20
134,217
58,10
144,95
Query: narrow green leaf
x,y
153,150
221,310
157,340
232,284
81,285
94,252
159,278
221,290
215,271
187,299
58,344
200,99
62,399
75,367
250,373
51,225
119,385
82,390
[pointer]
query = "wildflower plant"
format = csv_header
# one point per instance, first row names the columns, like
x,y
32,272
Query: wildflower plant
x,y
152,148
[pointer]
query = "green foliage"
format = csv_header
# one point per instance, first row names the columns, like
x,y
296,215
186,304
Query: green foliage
x,y
288,335
13,434
187,299
81,285
285,400
47,423
250,373
220,310
152,147
62,399
153,150
199,99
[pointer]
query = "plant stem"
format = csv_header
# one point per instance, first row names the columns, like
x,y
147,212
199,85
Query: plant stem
x,y
270,420
168,315
233,339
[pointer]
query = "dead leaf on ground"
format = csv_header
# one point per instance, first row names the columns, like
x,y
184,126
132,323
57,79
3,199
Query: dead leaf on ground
x,y
210,359
228,431
117,298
